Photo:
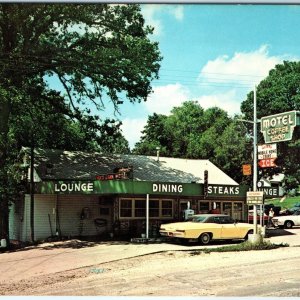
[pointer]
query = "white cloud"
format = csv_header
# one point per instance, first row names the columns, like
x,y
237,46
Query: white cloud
x,y
152,12
176,11
228,101
220,84
235,76
164,98
149,12
132,130
246,68
161,101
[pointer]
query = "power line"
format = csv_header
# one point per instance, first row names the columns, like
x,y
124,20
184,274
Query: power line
x,y
199,72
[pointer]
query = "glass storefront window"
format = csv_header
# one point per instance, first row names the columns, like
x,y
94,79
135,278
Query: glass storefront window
x,y
227,208
126,208
140,208
136,208
203,207
167,208
238,210
153,208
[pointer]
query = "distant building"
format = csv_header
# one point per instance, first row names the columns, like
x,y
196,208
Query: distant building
x,y
276,182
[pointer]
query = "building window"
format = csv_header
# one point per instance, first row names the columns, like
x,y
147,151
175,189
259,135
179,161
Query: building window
x,y
238,210
203,207
136,208
167,208
140,208
153,208
227,208
125,208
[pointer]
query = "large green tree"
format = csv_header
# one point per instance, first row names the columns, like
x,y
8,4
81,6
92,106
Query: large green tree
x,y
192,132
279,92
98,53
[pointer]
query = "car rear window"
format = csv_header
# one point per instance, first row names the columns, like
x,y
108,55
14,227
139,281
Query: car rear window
x,y
199,219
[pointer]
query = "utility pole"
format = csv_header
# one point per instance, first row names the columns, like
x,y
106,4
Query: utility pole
x,y
254,159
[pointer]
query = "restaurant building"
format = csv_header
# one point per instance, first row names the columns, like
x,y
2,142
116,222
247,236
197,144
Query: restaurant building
x,y
78,194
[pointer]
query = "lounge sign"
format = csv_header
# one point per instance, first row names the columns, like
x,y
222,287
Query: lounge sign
x,y
279,127
70,187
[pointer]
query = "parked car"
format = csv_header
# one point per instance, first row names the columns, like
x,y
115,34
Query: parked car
x,y
250,217
289,211
287,221
206,227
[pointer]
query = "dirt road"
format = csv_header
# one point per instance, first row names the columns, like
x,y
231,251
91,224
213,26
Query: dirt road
x,y
134,270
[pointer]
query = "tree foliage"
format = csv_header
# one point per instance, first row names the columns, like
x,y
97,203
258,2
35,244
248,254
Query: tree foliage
x,y
192,132
279,92
97,52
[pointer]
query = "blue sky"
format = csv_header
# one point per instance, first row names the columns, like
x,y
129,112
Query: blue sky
x,y
213,54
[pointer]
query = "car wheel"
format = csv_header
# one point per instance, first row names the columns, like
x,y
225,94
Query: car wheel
x,y
288,224
247,235
204,238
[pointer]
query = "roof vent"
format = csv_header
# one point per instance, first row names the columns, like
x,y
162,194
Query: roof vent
x,y
157,153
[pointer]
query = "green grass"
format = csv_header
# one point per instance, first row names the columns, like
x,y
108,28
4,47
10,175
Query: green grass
x,y
245,246
287,203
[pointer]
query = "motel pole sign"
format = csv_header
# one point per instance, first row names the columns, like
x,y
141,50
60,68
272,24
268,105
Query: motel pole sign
x,y
279,127
267,155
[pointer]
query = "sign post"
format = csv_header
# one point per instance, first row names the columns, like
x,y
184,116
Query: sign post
x,y
254,161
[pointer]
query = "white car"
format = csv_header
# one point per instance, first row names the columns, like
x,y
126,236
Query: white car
x,y
287,221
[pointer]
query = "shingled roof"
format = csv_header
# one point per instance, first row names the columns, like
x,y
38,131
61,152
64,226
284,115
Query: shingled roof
x,y
77,165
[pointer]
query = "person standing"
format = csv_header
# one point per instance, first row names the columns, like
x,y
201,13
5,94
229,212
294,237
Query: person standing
x,y
270,217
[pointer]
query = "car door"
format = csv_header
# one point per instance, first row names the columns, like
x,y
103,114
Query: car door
x,y
213,225
230,230
297,218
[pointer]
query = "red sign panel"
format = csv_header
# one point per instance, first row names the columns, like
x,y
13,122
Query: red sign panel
x,y
267,163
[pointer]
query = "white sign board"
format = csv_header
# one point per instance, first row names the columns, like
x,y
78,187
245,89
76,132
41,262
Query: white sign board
x,y
255,197
267,151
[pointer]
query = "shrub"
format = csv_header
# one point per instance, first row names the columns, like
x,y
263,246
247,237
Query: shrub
x,y
245,246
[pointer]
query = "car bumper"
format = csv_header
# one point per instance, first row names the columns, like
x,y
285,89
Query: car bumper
x,y
174,234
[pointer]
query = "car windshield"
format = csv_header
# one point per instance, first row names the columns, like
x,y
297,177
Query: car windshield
x,y
199,219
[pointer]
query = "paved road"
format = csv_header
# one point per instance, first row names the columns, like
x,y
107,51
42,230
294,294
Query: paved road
x,y
59,258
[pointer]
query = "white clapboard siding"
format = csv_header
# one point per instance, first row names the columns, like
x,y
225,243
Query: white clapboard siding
x,y
70,209
65,217
25,225
44,206
14,223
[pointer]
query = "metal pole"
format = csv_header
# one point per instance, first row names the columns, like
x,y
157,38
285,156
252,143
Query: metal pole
x,y
147,216
254,159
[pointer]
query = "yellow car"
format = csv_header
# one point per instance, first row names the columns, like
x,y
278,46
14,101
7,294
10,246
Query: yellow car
x,y
207,227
